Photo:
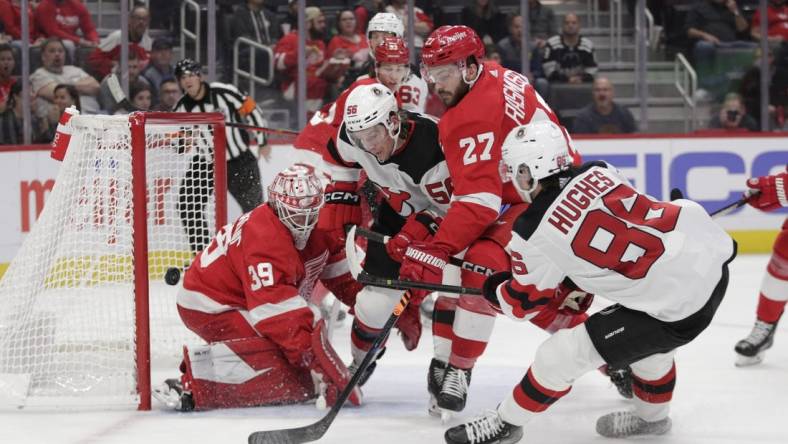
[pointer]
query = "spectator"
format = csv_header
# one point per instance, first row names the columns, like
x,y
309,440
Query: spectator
x,y
169,94
750,88
364,10
542,23
776,19
102,59
140,97
484,17
256,22
714,24
105,98
53,72
604,116
64,96
492,54
422,26
63,18
733,116
290,22
318,69
348,44
569,57
160,66
12,119
509,47
7,65
11,21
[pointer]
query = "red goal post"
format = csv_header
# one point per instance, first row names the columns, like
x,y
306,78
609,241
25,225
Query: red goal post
x,y
85,305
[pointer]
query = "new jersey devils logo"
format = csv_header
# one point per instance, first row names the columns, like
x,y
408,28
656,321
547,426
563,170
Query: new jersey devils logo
x,y
396,200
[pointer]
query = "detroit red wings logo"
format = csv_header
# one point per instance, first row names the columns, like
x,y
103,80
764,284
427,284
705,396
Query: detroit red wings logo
x,y
396,200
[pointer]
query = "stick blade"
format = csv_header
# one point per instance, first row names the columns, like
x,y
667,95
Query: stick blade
x,y
297,435
351,253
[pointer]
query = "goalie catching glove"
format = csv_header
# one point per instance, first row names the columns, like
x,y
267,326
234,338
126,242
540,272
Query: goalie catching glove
x,y
418,227
768,193
342,207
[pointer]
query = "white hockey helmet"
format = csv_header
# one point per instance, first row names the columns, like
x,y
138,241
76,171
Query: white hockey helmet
x,y
386,22
296,196
540,149
369,105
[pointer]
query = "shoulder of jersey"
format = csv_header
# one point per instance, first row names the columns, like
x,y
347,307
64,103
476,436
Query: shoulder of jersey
x,y
554,41
485,104
226,86
267,228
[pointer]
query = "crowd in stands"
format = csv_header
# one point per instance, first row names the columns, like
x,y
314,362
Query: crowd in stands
x,y
71,62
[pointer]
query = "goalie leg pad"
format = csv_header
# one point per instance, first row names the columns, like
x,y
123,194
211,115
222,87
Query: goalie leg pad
x,y
243,373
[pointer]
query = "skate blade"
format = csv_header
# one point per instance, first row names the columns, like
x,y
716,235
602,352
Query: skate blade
x,y
446,416
746,361
433,408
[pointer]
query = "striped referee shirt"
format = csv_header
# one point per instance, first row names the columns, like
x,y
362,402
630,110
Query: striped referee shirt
x,y
237,108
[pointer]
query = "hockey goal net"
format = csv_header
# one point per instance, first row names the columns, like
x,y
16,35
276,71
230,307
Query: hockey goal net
x,y
85,304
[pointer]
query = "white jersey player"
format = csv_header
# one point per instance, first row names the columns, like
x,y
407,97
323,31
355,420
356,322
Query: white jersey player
x,y
664,263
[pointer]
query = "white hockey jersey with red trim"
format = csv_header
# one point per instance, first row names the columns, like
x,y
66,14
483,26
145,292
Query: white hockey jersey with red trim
x,y
471,134
253,265
662,258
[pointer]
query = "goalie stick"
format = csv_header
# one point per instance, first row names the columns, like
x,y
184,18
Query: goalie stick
x,y
461,263
316,430
120,98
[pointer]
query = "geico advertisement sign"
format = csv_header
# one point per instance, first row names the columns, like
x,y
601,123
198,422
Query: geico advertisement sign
x,y
98,200
709,170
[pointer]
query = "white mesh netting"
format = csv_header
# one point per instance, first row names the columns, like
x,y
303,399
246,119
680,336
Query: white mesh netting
x,y
67,327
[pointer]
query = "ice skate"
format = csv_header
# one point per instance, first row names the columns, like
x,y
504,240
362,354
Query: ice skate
x,y
624,424
454,391
621,377
434,382
171,394
751,349
488,428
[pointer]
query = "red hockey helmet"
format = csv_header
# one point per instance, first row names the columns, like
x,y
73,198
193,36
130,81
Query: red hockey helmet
x,y
451,44
392,50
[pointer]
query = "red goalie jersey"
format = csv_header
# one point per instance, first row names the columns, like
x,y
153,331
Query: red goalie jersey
x,y
253,265
471,134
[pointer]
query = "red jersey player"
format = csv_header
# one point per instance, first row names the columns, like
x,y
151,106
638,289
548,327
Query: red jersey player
x,y
484,102
245,295
772,194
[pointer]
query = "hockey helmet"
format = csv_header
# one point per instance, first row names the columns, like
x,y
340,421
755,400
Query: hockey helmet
x,y
534,152
187,66
392,50
451,44
296,196
386,22
369,105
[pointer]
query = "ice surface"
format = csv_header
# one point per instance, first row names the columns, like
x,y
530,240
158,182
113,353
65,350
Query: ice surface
x,y
714,401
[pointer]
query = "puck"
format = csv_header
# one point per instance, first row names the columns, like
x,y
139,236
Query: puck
x,y
172,276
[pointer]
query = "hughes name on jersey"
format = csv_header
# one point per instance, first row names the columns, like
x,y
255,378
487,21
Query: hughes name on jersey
x,y
416,176
612,241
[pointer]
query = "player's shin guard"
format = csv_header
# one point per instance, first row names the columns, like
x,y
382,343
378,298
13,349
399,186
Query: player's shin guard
x,y
653,381
442,326
243,373
474,320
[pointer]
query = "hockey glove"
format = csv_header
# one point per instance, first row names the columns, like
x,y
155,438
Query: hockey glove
x,y
418,227
423,262
768,192
329,374
572,300
491,285
342,207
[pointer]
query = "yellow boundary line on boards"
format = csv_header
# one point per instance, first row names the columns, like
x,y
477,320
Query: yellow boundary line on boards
x,y
750,241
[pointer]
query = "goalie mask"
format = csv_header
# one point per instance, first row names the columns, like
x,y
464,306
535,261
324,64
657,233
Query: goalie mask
x,y
534,152
372,121
296,196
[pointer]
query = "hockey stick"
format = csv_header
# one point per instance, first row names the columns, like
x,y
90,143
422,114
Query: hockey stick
x,y
358,273
462,264
315,431
676,193
263,129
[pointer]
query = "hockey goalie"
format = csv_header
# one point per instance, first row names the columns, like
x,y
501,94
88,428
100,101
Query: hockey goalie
x,y
246,295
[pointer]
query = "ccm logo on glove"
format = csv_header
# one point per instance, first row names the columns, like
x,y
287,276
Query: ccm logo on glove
x,y
342,197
